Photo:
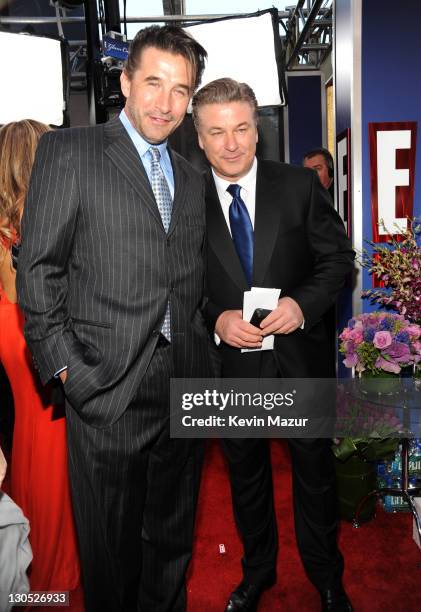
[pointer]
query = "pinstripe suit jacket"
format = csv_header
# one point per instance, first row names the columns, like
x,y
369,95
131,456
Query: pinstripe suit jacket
x,y
96,268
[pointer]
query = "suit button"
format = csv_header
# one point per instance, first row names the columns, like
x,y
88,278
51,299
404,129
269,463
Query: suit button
x,y
168,242
172,289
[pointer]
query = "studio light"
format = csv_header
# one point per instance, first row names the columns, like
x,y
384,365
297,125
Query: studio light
x,y
244,49
33,77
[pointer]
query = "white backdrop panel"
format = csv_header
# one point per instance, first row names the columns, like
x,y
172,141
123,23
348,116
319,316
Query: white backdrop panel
x,y
243,49
31,79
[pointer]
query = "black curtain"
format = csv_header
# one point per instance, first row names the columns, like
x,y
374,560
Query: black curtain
x,y
270,145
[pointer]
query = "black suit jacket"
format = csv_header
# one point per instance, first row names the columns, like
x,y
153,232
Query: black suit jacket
x,y
300,246
97,269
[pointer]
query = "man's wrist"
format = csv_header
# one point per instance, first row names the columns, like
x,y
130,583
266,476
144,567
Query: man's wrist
x,y
57,374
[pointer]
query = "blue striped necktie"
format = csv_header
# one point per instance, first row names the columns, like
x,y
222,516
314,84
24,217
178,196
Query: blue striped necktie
x,y
164,201
241,231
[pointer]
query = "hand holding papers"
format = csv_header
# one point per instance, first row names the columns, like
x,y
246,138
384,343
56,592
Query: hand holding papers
x,y
258,315
260,297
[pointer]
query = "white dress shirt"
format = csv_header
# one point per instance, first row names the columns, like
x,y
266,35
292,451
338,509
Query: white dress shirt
x,y
247,193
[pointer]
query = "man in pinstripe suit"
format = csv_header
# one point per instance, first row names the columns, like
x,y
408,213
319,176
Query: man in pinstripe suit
x,y
110,280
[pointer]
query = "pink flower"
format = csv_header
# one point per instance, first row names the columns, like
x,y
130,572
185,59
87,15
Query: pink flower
x,y
398,349
382,339
414,331
351,360
345,335
387,366
356,335
405,359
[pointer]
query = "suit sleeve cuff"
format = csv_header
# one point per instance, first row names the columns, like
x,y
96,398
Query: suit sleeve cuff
x,y
57,374
50,355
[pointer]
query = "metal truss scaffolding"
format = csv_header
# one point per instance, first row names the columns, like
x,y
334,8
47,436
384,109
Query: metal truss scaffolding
x,y
308,34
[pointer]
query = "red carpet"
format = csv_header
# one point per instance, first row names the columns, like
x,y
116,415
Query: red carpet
x,y
383,563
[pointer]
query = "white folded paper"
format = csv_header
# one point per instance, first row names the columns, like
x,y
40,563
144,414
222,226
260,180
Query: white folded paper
x,y
260,297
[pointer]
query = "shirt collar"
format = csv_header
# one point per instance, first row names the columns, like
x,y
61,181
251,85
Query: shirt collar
x,y
246,182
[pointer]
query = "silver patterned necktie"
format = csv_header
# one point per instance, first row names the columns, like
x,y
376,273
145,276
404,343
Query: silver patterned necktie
x,y
164,201
160,188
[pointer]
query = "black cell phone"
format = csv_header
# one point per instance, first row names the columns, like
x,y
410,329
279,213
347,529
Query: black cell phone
x,y
258,315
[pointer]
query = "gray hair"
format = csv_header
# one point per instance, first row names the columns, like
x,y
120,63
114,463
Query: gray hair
x,y
220,91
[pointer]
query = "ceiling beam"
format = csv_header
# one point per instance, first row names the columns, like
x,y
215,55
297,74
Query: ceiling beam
x,y
173,7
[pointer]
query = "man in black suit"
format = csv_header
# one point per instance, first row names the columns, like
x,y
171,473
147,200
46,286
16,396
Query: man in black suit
x,y
321,161
289,237
111,279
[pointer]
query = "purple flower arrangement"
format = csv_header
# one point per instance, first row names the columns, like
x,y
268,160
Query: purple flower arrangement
x,y
380,342
397,264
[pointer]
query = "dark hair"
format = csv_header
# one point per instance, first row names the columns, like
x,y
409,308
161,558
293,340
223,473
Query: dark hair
x,y
171,39
220,91
327,157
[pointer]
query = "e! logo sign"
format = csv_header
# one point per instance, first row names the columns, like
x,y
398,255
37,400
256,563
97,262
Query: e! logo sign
x,y
392,173
343,178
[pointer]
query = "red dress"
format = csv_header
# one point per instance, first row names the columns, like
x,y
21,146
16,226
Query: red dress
x,y
38,467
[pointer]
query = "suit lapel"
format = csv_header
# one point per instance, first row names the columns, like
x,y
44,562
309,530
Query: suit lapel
x,y
180,182
219,237
266,221
122,152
